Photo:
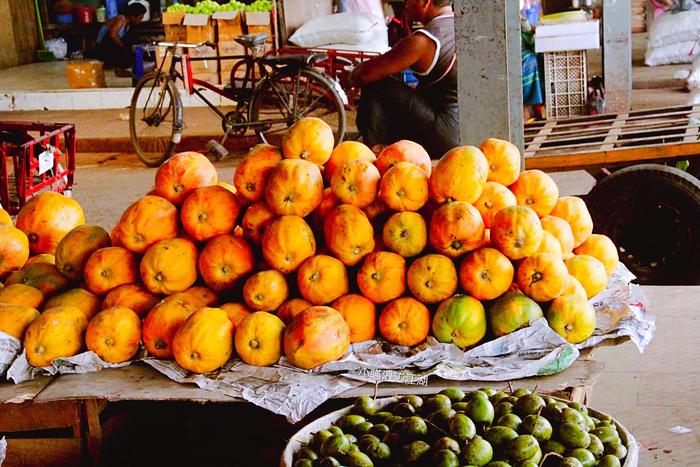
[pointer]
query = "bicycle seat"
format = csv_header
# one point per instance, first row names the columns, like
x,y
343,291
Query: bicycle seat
x,y
251,40
288,59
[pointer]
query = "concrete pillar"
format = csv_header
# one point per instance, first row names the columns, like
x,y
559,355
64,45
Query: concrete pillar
x,y
617,55
490,70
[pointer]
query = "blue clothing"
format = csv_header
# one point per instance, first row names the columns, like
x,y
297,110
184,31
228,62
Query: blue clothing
x,y
532,86
104,31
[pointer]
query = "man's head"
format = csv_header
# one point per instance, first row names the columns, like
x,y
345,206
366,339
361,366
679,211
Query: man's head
x,y
134,12
424,10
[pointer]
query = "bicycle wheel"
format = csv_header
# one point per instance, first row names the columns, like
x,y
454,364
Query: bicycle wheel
x,y
155,119
290,95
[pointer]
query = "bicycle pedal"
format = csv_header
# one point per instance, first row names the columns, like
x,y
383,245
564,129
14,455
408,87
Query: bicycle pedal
x,y
217,150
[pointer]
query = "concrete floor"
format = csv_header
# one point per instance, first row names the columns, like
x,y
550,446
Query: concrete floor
x,y
47,75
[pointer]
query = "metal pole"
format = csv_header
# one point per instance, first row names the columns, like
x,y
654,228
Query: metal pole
x,y
490,70
617,55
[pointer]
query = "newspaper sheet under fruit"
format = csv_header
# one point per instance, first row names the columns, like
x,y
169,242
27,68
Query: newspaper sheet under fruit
x,y
622,311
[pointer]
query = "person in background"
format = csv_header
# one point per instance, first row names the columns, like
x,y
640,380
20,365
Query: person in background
x,y
532,82
389,110
114,41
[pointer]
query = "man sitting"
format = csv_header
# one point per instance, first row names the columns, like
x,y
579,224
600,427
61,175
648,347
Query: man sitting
x,y
114,40
390,110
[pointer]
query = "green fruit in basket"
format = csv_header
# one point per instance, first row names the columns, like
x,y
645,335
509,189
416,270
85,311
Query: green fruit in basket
x,y
561,405
363,428
379,452
480,410
553,446
358,459
461,427
447,443
607,434
329,462
454,394
499,436
477,452
609,461
336,446
497,397
584,456
589,422
570,462
579,407
521,392
503,408
616,449
303,463
392,440
396,424
573,436
413,453
441,417
537,426
380,429
318,439
445,458
471,395
603,423
351,438
596,447
510,420
381,417
415,401
366,440
522,448
569,415
348,422
498,464
306,453
536,458
460,406
528,463
365,406
354,448
404,409
435,403
335,430
512,399
529,404
413,428
488,390
549,400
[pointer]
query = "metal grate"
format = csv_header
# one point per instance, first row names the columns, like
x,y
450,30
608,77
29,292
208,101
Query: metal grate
x,y
565,83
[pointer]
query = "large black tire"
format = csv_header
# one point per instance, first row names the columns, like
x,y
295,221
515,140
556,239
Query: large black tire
x,y
652,213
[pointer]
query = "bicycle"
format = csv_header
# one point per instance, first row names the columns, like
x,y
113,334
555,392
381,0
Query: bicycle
x,y
274,92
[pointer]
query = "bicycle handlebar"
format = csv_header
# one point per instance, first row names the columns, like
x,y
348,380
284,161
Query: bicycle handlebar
x,y
186,45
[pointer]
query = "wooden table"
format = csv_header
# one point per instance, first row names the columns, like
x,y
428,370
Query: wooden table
x,y
31,412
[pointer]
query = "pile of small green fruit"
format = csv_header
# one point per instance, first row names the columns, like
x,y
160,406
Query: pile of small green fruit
x,y
479,428
209,7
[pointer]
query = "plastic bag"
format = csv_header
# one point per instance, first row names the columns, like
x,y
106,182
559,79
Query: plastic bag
x,y
59,47
341,28
681,52
672,28
373,7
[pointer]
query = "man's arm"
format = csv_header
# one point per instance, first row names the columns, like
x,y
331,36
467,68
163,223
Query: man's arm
x,y
114,33
416,49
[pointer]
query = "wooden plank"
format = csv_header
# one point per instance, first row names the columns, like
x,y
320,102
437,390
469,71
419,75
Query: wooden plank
x,y
628,142
581,373
540,138
134,382
602,131
615,131
593,159
42,452
18,393
691,134
30,416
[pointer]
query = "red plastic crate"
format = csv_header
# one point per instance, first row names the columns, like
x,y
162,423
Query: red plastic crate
x,y
35,157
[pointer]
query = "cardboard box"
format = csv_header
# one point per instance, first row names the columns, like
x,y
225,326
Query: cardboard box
x,y
174,30
229,49
209,65
259,23
229,25
211,78
199,28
